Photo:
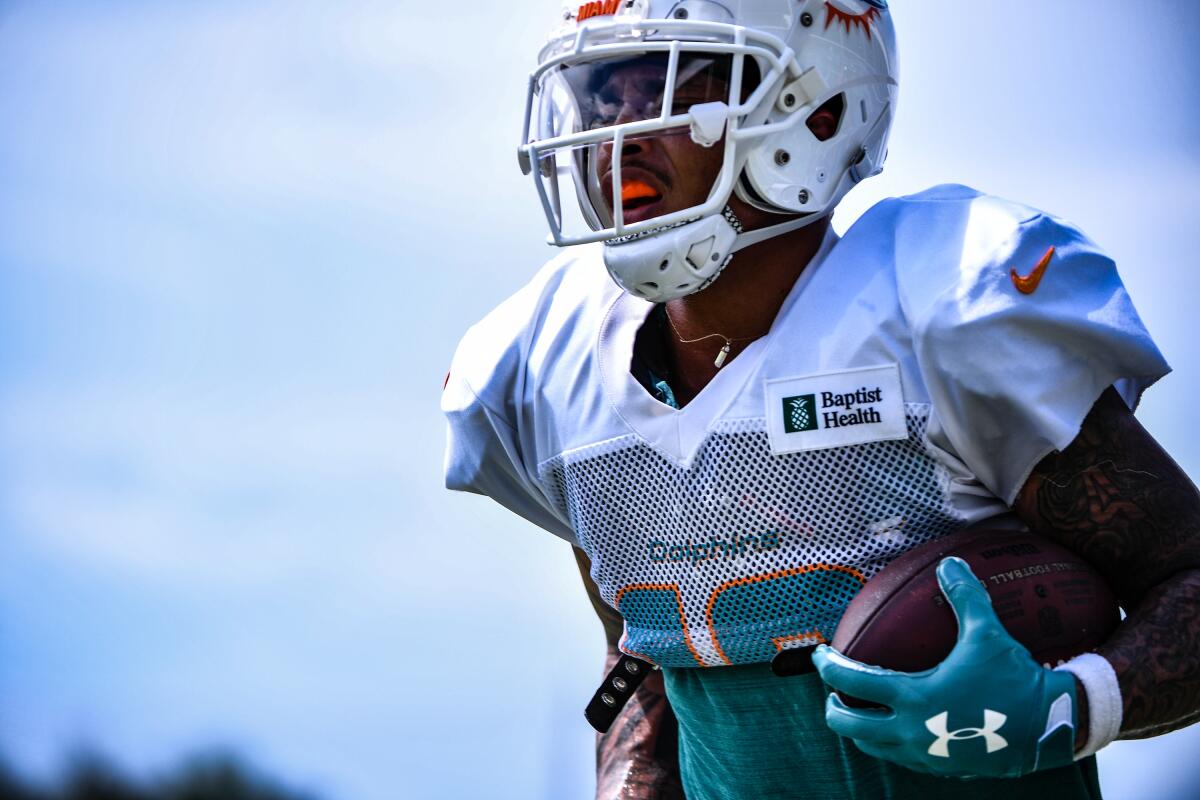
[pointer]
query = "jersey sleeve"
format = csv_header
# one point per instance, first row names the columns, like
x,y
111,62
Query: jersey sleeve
x,y
483,457
489,446
1014,353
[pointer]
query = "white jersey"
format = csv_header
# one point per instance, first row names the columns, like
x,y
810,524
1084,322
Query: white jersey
x,y
906,389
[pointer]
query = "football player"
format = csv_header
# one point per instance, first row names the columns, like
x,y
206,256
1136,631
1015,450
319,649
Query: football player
x,y
737,418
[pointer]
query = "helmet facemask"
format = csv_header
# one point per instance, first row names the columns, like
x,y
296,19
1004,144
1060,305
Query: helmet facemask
x,y
622,95
633,89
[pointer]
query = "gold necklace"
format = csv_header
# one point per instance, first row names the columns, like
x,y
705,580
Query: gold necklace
x,y
724,352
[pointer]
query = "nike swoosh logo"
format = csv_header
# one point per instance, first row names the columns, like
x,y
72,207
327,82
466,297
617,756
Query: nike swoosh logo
x,y
1027,284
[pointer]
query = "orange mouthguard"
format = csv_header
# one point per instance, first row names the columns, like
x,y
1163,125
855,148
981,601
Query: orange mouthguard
x,y
636,190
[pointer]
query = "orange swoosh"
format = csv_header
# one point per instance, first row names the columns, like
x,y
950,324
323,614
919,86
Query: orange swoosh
x,y
1028,284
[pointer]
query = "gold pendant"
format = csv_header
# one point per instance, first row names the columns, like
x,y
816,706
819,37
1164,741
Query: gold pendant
x,y
721,356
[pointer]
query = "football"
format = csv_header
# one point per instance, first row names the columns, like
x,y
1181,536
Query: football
x,y
1047,597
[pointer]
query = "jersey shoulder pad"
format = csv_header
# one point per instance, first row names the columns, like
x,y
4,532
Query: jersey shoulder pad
x,y
1018,322
494,352
952,237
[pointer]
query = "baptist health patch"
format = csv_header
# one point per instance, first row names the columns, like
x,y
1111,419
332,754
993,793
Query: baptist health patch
x,y
835,409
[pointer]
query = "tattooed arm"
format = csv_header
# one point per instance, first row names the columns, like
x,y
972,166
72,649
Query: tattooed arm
x,y
1116,498
638,759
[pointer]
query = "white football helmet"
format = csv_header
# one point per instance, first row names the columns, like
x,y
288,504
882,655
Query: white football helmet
x,y
744,75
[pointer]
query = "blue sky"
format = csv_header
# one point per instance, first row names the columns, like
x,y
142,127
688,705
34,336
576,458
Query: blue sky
x,y
238,243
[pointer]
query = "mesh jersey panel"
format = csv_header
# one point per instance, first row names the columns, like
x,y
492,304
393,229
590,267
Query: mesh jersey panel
x,y
745,552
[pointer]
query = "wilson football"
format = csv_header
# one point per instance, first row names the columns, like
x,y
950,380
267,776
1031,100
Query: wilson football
x,y
1047,597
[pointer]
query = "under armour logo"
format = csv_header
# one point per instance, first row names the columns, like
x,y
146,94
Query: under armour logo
x,y
992,722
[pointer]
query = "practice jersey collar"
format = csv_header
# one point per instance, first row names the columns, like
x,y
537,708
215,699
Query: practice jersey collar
x,y
678,434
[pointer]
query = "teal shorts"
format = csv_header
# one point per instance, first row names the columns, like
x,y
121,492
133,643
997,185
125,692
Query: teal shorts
x,y
745,733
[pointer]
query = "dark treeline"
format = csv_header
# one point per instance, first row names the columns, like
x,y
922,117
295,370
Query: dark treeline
x,y
92,777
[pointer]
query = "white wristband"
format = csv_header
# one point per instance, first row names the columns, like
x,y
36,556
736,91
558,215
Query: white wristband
x,y
1099,680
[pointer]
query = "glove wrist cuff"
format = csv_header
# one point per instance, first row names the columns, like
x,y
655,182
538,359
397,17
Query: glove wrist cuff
x,y
1105,707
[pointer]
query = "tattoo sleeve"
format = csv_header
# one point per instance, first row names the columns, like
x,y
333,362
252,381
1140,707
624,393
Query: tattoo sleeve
x,y
638,759
1115,497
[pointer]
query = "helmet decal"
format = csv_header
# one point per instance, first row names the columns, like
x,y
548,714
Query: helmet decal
x,y
597,8
849,20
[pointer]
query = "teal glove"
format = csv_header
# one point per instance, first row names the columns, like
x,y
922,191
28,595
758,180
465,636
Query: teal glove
x,y
988,710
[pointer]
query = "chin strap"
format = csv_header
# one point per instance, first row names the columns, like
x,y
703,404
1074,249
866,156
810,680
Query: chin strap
x,y
749,238
681,259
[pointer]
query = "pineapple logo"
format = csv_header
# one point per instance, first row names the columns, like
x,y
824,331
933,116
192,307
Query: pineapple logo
x,y
799,413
